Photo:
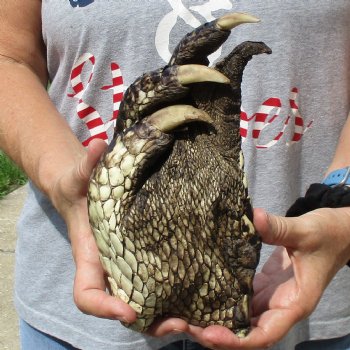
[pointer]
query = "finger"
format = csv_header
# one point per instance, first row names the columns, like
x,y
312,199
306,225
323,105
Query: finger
x,y
197,335
261,280
271,327
219,338
94,152
98,303
89,284
90,290
177,326
168,326
278,230
268,329
280,293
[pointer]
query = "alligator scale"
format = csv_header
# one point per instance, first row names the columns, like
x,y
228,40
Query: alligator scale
x,y
168,201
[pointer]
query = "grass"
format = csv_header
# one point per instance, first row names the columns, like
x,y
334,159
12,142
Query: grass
x,y
11,177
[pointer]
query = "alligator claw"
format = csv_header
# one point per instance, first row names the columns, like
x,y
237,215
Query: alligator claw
x,y
232,20
197,45
152,90
169,118
169,206
195,73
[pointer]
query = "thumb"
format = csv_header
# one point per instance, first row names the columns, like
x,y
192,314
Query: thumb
x,y
278,230
94,152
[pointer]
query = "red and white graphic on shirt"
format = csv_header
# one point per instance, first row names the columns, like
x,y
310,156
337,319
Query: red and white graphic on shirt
x,y
299,129
118,90
267,114
88,114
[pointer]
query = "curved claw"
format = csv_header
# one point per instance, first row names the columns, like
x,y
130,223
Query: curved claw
x,y
196,73
163,86
233,20
169,118
204,40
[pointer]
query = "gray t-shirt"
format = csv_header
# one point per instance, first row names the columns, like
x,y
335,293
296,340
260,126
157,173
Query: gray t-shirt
x,y
295,103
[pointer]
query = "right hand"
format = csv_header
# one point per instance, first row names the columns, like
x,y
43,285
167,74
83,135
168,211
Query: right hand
x,y
310,250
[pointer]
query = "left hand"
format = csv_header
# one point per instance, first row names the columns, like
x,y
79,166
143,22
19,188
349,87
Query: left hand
x,y
312,248
68,195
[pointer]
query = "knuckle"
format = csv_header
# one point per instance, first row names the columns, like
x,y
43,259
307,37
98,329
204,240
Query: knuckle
x,y
280,228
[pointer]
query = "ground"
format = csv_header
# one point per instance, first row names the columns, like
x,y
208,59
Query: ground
x,y
10,207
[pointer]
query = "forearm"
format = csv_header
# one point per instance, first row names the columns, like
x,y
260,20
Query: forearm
x,y
32,132
341,157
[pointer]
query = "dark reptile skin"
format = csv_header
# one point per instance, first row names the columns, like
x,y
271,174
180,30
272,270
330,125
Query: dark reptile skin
x,y
171,212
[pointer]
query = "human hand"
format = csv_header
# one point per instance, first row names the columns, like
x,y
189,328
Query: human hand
x,y
312,248
69,197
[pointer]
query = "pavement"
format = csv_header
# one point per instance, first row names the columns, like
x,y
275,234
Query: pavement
x,y
10,207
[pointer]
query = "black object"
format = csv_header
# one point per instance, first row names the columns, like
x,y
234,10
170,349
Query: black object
x,y
321,196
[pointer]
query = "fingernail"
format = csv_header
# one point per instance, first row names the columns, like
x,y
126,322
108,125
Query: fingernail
x,y
122,319
176,331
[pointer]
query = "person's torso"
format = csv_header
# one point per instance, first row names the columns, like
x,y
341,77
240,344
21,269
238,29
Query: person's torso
x,y
295,100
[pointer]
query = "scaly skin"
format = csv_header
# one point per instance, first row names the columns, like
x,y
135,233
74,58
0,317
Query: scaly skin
x,y
168,202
